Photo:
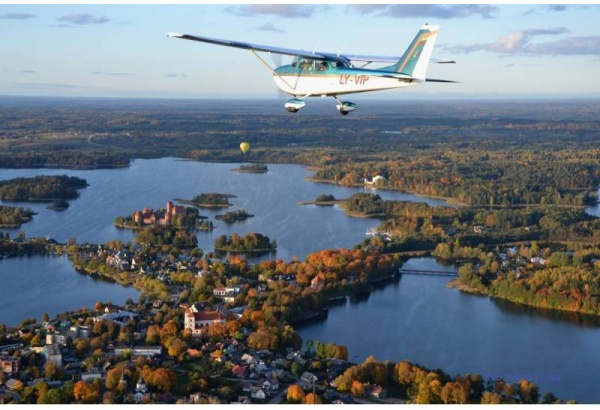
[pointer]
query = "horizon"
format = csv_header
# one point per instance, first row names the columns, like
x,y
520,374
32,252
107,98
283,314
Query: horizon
x,y
119,51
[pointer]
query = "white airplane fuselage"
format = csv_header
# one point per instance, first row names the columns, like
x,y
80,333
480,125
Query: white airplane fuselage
x,y
336,81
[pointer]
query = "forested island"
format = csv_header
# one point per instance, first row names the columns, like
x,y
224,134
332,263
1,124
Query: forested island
x,y
251,243
212,200
14,217
323,200
234,216
56,189
252,168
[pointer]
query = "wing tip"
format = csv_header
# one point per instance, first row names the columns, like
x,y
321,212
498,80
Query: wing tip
x,y
177,35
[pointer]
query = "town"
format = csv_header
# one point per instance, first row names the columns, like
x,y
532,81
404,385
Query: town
x,y
213,331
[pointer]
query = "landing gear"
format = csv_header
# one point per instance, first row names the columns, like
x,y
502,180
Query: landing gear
x,y
294,105
344,107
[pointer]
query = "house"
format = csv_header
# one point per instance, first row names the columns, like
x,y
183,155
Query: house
x,y
248,359
307,379
374,390
136,351
269,384
316,282
243,400
11,384
10,365
91,376
246,386
52,354
538,260
141,391
227,294
198,322
378,179
258,393
240,371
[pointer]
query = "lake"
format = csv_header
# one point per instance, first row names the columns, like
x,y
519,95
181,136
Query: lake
x,y
272,197
416,318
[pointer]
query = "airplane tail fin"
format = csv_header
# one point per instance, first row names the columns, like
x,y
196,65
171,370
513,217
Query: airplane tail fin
x,y
416,58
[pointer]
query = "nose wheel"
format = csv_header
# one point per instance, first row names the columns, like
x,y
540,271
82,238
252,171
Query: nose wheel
x,y
344,107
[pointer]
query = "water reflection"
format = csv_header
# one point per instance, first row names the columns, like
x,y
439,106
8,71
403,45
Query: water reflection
x,y
579,319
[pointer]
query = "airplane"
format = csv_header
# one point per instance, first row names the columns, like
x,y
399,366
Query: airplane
x,y
318,74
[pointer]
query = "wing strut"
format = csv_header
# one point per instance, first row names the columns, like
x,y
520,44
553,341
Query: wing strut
x,y
271,69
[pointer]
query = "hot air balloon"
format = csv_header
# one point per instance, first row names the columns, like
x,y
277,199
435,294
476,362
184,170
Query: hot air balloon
x,y
244,146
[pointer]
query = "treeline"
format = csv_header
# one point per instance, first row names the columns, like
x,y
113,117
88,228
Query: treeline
x,y
571,288
65,159
21,246
13,217
252,242
41,188
485,178
253,168
418,226
565,278
420,385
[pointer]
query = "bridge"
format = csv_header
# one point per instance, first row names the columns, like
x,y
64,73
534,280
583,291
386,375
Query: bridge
x,y
426,272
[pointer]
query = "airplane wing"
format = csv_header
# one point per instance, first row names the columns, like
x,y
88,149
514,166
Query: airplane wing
x,y
251,46
295,52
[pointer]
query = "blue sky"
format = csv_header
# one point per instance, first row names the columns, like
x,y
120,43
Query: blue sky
x,y
111,50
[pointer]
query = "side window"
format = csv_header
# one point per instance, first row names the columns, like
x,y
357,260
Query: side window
x,y
306,65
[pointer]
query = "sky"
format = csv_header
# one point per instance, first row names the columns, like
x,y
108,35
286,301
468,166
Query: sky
x,y
111,50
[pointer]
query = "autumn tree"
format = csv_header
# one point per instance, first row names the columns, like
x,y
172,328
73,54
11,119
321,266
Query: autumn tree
x,y
311,398
295,394
51,370
528,391
86,392
357,388
489,397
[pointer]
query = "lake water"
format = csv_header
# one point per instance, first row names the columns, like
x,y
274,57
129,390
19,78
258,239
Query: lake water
x,y
33,285
272,197
416,318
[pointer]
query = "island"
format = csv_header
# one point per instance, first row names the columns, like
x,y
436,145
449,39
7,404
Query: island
x,y
173,215
365,206
11,217
323,200
234,216
251,243
252,169
212,200
43,188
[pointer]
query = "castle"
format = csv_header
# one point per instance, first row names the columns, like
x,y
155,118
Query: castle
x,y
149,217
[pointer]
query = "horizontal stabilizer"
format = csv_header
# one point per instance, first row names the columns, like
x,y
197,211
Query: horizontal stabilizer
x,y
435,80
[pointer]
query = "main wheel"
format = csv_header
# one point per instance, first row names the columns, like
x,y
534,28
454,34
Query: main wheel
x,y
291,109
